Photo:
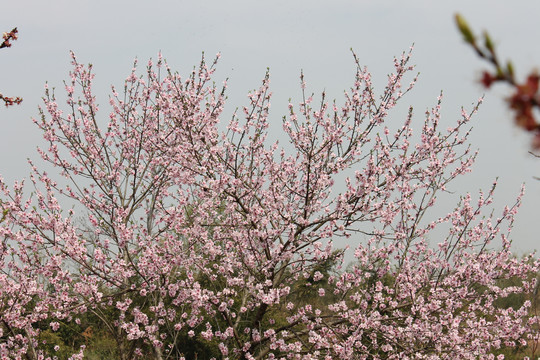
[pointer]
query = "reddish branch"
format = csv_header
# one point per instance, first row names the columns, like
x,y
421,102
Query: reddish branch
x,y
525,96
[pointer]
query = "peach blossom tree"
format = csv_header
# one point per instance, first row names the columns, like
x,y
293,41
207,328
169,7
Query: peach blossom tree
x,y
172,227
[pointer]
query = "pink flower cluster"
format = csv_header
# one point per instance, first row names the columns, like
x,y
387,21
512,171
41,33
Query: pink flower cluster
x,y
7,37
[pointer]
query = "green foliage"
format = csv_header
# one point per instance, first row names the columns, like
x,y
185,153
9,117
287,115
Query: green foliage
x,y
103,344
101,347
48,340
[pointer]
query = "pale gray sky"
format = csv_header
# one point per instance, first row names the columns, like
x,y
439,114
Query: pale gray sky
x,y
286,36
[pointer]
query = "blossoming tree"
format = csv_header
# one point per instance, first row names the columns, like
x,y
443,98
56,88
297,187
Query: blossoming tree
x,y
184,233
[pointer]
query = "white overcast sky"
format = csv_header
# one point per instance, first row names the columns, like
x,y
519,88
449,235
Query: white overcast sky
x,y
286,36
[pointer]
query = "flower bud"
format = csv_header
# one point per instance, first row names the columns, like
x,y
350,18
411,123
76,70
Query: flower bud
x,y
510,69
488,43
464,29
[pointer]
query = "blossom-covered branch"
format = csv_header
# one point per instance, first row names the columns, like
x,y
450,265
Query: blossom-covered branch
x,y
7,38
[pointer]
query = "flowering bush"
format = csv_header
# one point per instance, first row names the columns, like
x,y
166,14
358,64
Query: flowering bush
x,y
190,238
